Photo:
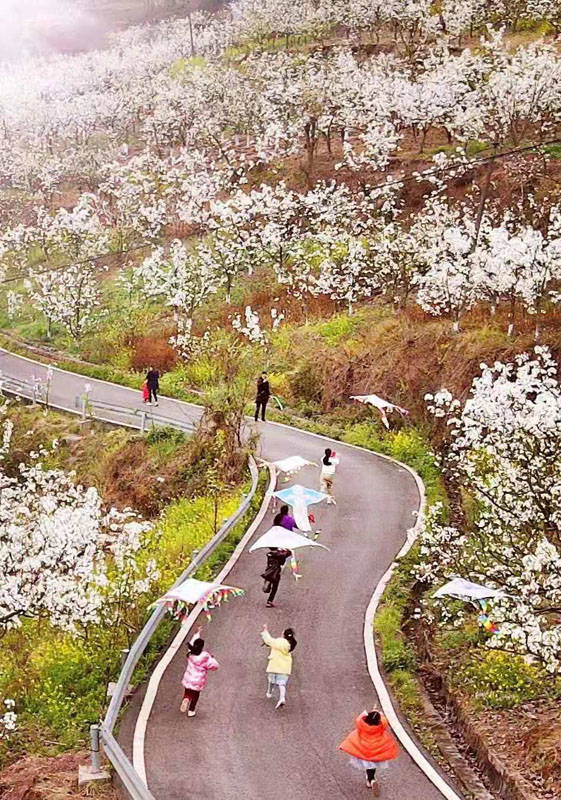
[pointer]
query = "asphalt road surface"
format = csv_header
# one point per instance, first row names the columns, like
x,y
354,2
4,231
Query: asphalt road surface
x,y
238,745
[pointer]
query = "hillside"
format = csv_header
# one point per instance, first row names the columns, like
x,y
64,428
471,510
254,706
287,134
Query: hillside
x,y
359,198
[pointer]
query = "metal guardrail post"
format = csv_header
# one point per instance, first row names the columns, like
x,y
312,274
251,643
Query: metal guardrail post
x,y
94,747
124,655
83,409
142,421
93,771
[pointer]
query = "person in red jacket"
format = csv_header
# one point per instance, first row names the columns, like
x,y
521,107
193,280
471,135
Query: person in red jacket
x,y
371,746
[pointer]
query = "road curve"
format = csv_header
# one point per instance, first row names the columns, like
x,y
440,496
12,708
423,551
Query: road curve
x,y
238,746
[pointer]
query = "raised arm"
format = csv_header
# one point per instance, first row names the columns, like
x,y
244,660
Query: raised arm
x,y
266,636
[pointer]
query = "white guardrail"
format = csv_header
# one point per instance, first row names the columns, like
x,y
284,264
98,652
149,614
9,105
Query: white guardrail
x,y
88,409
103,734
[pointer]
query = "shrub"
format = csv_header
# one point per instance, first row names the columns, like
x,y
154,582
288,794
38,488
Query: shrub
x,y
150,351
502,680
305,381
396,653
337,328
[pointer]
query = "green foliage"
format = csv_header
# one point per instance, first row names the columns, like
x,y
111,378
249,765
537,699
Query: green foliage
x,y
553,150
203,372
396,653
176,383
184,65
494,679
337,328
475,147
398,656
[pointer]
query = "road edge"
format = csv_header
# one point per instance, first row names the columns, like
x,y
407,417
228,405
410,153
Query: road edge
x,y
141,724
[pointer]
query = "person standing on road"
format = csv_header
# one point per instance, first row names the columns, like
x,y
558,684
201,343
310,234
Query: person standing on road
x,y
262,396
279,666
153,383
328,466
275,562
371,746
199,662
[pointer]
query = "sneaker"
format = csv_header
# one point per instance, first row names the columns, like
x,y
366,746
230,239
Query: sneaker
x,y
270,605
191,713
375,788
269,695
184,705
280,704
156,404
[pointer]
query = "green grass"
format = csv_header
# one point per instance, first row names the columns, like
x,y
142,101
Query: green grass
x,y
553,150
397,654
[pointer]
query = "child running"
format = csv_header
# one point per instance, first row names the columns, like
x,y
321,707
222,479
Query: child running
x,y
279,667
328,465
371,746
199,662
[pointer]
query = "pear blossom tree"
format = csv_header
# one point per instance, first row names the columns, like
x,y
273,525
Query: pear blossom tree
x,y
69,297
180,276
524,264
448,246
547,10
504,450
250,326
63,558
347,272
8,719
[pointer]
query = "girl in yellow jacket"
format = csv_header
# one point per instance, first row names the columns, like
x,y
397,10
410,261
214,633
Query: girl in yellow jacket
x,y
279,666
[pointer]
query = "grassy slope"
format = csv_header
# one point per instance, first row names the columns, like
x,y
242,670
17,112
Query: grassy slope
x,y
59,682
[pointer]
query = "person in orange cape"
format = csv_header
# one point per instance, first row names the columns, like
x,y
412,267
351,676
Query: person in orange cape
x,y
371,746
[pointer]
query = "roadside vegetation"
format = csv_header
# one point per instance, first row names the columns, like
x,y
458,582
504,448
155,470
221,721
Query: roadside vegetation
x,y
58,678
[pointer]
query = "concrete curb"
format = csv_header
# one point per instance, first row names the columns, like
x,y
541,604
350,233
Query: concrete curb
x,y
139,738
373,668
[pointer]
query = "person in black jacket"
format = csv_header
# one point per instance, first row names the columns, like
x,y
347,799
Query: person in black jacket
x,y
262,396
272,575
153,383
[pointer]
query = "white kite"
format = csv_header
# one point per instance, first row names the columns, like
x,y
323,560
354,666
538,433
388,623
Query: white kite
x,y
283,539
300,497
292,464
191,591
383,406
466,590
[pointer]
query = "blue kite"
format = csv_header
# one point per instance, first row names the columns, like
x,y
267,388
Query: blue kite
x,y
300,494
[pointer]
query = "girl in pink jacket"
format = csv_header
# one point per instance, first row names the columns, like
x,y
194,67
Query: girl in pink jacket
x,y
199,662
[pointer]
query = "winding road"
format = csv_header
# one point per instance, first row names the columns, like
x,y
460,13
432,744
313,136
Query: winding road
x,y
238,746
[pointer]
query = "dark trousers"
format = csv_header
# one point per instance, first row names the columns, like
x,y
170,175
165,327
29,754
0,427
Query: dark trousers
x,y
152,393
261,403
371,774
274,587
193,696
